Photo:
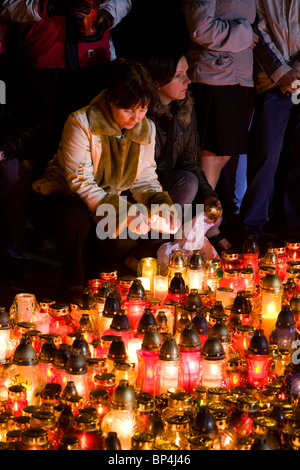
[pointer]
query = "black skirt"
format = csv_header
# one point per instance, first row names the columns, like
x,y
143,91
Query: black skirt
x,y
222,113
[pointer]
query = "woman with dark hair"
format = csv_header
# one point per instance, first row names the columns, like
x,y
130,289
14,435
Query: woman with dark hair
x,y
106,148
177,149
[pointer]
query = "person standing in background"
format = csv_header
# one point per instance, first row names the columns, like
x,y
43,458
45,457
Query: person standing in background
x,y
275,129
177,149
54,69
220,60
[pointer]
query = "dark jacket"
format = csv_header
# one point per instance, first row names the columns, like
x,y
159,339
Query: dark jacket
x,y
185,144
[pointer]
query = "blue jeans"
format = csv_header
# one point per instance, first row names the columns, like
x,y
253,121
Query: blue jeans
x,y
275,117
182,187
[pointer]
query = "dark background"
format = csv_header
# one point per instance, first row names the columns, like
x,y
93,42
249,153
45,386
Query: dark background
x,y
149,22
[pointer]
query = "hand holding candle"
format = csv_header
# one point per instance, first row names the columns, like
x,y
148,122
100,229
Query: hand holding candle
x,y
165,220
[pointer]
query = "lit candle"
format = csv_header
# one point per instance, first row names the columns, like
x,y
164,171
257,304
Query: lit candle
x,y
226,295
160,284
148,268
258,360
168,370
134,344
212,363
271,295
146,283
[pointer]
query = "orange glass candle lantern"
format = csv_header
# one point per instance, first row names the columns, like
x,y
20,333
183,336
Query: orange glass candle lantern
x,y
242,338
34,439
16,399
110,277
95,366
251,253
85,327
282,261
86,428
271,296
61,322
246,410
99,400
106,381
147,358
160,287
230,260
94,285
135,304
235,373
293,250
247,274
190,347
233,279
258,360
124,285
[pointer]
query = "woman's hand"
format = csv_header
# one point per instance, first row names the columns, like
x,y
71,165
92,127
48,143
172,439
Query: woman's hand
x,y
138,223
213,208
255,39
165,221
290,81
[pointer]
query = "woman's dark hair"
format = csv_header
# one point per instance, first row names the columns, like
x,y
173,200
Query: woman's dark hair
x,y
130,85
161,62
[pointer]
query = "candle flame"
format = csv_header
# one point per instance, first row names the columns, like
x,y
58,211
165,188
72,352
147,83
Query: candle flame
x,y
258,369
235,379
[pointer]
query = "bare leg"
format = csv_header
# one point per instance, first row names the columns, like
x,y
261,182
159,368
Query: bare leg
x,y
212,166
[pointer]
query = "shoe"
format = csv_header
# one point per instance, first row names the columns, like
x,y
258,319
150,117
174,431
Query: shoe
x,y
219,242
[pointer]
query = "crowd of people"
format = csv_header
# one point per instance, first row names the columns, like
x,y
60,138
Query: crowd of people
x,y
210,118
